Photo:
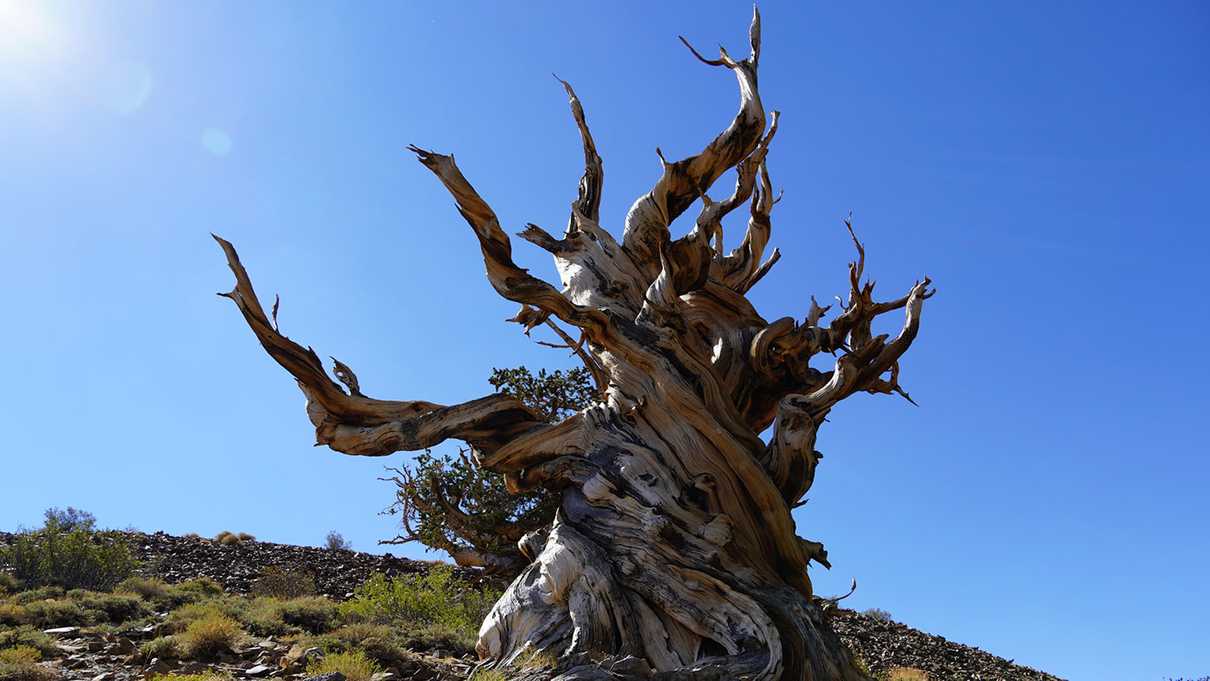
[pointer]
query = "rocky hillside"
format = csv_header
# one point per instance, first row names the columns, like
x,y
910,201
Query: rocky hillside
x,y
882,645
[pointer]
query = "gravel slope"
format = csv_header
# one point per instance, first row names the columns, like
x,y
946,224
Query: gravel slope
x,y
883,645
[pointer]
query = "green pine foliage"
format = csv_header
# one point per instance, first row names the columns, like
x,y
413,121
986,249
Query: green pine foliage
x,y
434,480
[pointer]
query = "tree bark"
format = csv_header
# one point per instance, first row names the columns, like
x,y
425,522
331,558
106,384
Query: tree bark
x,y
674,543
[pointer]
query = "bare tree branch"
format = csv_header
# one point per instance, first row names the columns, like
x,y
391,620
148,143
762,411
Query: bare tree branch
x,y
683,182
356,424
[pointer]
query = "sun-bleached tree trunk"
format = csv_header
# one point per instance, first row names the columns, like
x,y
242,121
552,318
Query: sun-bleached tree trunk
x,y
674,542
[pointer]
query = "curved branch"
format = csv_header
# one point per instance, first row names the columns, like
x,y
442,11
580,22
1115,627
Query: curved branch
x,y
588,201
356,424
509,280
684,181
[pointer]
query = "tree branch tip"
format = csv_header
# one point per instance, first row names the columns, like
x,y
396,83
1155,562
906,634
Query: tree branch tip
x,y
709,62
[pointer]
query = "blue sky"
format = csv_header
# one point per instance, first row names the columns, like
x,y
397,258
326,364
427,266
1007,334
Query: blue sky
x,y
1046,163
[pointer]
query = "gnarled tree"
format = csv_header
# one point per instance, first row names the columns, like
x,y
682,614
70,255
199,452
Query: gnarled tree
x,y
673,542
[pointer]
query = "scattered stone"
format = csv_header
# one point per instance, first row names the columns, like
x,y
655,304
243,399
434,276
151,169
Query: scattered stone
x,y
61,631
330,676
157,666
885,645
298,656
258,670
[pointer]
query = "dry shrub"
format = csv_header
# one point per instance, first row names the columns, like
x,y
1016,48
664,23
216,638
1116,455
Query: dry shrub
x,y
12,614
162,647
354,664
906,674
20,655
25,635
9,584
149,588
21,664
209,635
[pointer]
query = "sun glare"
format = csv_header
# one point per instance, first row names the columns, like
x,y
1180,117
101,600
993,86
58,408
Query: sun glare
x,y
29,33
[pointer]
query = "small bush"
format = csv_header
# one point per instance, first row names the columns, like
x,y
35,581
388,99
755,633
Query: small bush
x,y
210,635
68,553
12,614
878,614
314,614
112,607
40,594
335,541
354,664
161,647
226,538
55,613
488,675
194,590
9,584
228,606
380,642
148,588
70,519
20,655
434,605
26,671
191,535
26,635
278,582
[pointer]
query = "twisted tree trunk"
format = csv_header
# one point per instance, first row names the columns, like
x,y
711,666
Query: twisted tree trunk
x,y
674,543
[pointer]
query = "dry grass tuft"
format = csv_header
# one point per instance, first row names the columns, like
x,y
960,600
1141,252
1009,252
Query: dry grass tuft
x,y
905,674
209,635
354,664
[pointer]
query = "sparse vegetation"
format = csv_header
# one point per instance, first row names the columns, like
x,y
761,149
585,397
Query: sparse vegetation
x,y
13,614
69,519
336,541
354,664
9,584
228,538
382,643
905,674
55,613
280,582
878,614
68,552
161,647
27,636
149,589
209,635
435,603
20,655
25,671
540,661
